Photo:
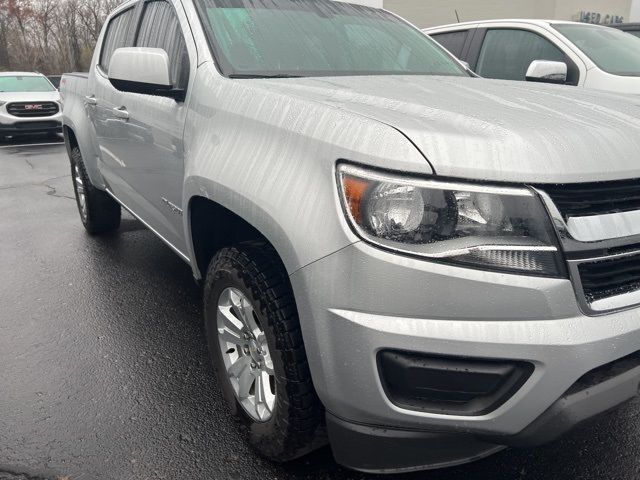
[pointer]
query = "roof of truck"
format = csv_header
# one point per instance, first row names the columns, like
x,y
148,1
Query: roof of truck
x,y
530,21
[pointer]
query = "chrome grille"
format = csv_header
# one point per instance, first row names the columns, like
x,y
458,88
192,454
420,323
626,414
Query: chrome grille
x,y
609,277
598,225
596,198
32,109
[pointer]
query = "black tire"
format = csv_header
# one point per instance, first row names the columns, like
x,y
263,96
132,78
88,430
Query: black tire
x,y
296,425
102,213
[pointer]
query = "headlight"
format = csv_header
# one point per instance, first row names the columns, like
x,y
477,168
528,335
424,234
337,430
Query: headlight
x,y
490,227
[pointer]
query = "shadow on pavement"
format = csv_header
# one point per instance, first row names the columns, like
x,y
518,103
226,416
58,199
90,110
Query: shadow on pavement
x,y
27,140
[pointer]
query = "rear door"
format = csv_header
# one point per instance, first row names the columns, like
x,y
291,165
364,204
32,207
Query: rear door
x,y
103,100
153,131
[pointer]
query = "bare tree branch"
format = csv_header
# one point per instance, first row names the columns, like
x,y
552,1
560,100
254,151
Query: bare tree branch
x,y
51,36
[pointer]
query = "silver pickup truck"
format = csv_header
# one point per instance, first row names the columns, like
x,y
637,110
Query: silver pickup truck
x,y
414,264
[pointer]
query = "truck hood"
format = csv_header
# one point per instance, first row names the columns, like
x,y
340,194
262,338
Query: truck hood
x,y
494,130
30,96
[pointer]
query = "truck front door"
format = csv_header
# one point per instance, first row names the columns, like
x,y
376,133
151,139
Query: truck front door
x,y
154,127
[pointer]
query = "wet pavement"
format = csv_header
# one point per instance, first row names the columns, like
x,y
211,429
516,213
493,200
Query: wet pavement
x,y
104,371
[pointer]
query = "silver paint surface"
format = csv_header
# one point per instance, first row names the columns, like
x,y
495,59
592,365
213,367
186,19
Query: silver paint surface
x,y
363,300
492,129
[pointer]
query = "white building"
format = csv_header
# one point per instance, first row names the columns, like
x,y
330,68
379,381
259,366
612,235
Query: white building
x,y
430,13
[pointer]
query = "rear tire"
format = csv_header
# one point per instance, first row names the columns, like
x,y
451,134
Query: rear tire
x,y
294,423
98,211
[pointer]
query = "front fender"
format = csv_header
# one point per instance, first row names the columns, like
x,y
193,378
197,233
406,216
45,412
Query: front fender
x,y
270,158
246,208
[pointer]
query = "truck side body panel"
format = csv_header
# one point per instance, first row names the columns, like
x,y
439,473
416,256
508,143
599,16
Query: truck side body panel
x,y
77,118
244,145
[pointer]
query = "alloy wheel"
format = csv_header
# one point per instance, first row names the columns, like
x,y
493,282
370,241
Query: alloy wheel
x,y
80,191
246,355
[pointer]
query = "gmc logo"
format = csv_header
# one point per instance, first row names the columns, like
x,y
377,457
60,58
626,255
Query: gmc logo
x,y
33,107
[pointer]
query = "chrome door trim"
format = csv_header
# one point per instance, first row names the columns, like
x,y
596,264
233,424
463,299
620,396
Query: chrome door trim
x,y
169,244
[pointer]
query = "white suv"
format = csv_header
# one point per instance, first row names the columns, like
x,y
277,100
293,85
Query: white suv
x,y
570,53
29,103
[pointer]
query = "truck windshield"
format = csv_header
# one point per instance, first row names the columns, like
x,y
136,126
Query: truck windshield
x,y
613,51
25,84
297,38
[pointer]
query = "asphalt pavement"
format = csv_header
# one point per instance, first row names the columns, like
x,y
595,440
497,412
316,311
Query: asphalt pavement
x,y
104,371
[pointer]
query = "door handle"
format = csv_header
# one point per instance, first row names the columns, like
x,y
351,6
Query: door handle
x,y
91,100
121,113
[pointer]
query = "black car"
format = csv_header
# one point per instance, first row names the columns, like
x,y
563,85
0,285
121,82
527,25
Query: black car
x,y
632,28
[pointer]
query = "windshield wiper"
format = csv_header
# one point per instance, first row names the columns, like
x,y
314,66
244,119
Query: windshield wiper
x,y
252,75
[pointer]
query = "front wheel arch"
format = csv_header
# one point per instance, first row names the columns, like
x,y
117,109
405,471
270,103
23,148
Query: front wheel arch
x,y
212,227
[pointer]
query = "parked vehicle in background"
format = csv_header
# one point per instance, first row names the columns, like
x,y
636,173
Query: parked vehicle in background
x,y
55,80
632,28
568,53
29,104
425,265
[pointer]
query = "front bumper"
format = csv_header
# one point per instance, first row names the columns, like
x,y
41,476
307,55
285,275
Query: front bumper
x,y
385,450
10,125
360,301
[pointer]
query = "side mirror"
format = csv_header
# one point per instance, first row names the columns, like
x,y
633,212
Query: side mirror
x,y
143,70
545,71
468,67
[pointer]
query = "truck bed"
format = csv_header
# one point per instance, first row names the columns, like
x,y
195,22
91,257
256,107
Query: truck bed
x,y
74,90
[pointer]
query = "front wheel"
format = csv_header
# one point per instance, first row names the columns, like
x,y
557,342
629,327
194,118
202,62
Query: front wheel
x,y
98,211
257,350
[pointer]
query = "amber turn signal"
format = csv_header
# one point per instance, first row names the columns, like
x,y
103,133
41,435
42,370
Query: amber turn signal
x,y
354,192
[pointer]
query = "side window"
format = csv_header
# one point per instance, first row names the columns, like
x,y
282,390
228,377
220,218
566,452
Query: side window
x,y
506,54
116,37
160,28
452,41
